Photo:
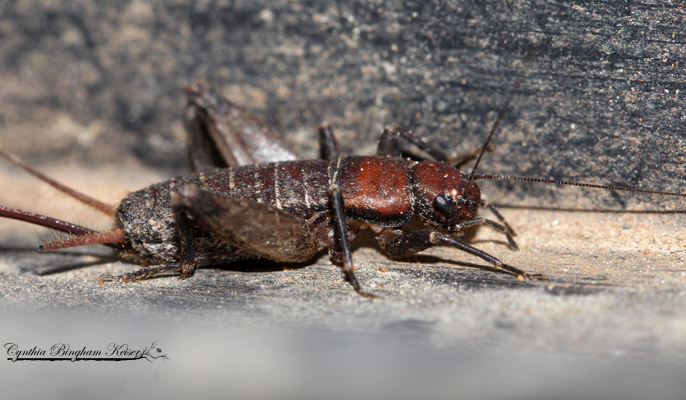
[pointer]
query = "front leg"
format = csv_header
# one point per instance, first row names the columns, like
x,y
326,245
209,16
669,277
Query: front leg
x,y
396,243
504,229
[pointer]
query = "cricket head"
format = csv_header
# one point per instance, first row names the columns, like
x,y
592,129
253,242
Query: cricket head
x,y
442,196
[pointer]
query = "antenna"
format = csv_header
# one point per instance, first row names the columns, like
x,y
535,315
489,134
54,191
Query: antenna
x,y
581,184
85,199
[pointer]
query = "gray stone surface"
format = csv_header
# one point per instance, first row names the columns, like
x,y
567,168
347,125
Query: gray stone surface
x,y
93,94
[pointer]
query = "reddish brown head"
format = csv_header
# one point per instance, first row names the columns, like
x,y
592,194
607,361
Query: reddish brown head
x,y
441,195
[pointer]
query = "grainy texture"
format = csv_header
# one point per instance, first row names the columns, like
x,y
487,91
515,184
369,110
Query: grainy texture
x,y
93,94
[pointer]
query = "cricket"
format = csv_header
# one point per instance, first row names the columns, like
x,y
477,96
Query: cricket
x,y
249,197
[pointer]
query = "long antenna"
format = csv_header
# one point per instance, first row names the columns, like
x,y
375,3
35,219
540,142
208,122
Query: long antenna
x,y
581,184
85,199
515,87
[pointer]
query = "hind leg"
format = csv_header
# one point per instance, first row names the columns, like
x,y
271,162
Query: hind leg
x,y
222,134
258,229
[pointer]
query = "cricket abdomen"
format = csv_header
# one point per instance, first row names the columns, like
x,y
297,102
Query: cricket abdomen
x,y
298,187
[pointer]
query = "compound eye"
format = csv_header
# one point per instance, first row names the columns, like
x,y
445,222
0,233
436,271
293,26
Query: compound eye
x,y
444,204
